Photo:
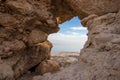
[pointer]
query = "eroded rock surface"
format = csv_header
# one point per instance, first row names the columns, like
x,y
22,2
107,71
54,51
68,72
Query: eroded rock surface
x,y
65,59
24,28
47,66
26,24
100,57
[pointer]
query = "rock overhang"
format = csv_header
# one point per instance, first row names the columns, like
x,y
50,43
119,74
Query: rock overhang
x,y
19,19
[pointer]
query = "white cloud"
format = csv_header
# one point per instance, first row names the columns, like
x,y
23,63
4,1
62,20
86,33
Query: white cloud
x,y
67,42
78,28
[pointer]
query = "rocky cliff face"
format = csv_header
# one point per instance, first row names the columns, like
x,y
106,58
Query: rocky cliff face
x,y
26,24
24,28
100,57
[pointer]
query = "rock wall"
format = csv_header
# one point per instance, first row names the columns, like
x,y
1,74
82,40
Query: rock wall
x,y
24,28
102,50
100,57
26,24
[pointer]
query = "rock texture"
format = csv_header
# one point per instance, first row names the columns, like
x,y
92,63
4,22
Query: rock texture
x,y
26,24
84,8
24,28
100,57
65,59
47,66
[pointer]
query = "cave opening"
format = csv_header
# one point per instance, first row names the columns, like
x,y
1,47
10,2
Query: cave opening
x,y
68,42
70,38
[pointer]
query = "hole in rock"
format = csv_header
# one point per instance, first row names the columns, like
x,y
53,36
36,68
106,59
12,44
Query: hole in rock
x,y
69,40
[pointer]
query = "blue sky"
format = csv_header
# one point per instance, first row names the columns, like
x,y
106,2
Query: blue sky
x,y
71,37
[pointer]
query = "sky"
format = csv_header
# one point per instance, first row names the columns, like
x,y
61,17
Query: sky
x,y
70,38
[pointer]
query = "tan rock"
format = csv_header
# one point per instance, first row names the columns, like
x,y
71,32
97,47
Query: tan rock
x,y
7,20
90,17
11,46
20,6
26,24
100,60
35,55
83,8
65,59
37,36
48,66
6,72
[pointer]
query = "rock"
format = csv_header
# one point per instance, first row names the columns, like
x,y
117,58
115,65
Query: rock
x,y
24,28
90,17
9,47
36,77
20,6
34,55
37,36
100,59
99,7
48,66
26,24
65,59
51,23
6,72
7,20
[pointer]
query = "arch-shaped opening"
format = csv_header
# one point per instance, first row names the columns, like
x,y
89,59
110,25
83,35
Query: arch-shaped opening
x,y
68,42
70,38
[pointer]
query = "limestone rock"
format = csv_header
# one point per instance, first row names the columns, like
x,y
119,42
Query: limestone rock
x,y
47,66
6,72
90,17
20,6
37,36
9,47
7,20
100,58
65,59
24,28
84,8
34,55
26,24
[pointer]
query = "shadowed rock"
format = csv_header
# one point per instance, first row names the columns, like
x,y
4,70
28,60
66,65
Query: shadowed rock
x,y
26,24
